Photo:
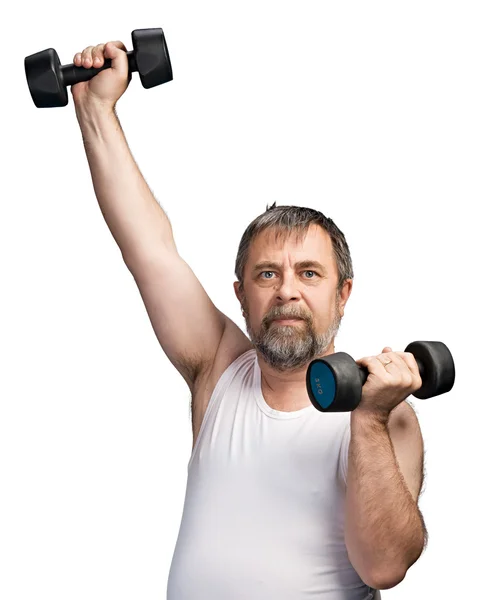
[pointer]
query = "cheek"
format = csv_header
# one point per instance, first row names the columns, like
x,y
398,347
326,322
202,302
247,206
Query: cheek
x,y
325,315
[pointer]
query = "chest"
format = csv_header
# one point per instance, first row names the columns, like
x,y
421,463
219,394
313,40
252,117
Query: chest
x,y
243,448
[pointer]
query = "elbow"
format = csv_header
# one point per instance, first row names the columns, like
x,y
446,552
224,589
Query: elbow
x,y
385,577
384,580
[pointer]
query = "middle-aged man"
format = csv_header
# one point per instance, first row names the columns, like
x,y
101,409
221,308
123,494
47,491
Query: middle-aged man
x,y
283,502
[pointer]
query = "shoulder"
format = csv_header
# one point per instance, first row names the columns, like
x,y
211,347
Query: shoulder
x,y
233,344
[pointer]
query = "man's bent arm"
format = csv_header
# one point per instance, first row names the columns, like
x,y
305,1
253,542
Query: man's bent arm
x,y
136,220
384,530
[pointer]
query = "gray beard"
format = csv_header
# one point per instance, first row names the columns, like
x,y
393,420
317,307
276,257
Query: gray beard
x,y
288,347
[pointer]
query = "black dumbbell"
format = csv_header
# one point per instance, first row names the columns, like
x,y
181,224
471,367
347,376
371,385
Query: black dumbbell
x,y
334,382
48,79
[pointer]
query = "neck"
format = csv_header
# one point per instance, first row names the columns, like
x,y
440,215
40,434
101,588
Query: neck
x,y
286,391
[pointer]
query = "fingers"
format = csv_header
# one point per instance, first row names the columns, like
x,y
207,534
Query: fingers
x,y
405,361
379,365
94,56
86,57
396,365
410,361
409,370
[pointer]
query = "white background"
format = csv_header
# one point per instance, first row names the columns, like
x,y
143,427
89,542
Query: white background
x,y
379,114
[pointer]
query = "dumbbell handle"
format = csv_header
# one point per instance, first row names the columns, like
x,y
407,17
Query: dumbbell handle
x,y
72,74
364,373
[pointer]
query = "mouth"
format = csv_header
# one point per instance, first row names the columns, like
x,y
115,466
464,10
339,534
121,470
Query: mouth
x,y
287,321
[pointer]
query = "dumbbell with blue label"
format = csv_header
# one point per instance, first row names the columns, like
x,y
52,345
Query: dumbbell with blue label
x,y
334,382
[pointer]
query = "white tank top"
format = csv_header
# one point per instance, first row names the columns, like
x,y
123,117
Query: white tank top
x,y
263,515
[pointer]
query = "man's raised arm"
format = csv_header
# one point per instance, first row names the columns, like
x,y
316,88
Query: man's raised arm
x,y
187,324
136,220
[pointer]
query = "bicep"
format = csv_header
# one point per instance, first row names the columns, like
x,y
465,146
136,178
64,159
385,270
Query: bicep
x,y
408,446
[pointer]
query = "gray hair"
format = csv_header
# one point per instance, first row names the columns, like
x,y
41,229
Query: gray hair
x,y
287,220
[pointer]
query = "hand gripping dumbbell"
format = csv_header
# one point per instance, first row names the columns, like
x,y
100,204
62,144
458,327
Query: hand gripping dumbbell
x,y
334,382
48,79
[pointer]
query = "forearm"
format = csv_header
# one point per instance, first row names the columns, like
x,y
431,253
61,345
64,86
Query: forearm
x,y
382,519
136,220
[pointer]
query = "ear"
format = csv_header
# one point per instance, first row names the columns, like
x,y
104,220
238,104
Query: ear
x,y
236,287
346,290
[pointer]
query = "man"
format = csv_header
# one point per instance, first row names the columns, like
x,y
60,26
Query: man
x,y
282,501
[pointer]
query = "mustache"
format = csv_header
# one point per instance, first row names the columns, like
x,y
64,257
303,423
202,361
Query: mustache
x,y
273,316
277,316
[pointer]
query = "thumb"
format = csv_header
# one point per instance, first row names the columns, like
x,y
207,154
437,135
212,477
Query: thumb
x,y
117,56
110,50
387,349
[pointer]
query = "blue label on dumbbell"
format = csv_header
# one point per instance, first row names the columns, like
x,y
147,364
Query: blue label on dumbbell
x,y
322,384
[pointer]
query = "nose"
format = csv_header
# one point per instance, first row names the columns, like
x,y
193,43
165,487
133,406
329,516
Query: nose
x,y
288,289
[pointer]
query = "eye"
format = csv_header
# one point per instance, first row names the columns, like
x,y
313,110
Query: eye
x,y
262,273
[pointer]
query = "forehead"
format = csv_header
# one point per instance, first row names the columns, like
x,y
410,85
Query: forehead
x,y
274,244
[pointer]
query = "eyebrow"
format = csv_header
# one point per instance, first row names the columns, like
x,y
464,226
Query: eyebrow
x,y
304,264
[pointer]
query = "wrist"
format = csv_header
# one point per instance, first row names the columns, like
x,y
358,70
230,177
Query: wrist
x,y
97,121
94,110
370,417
